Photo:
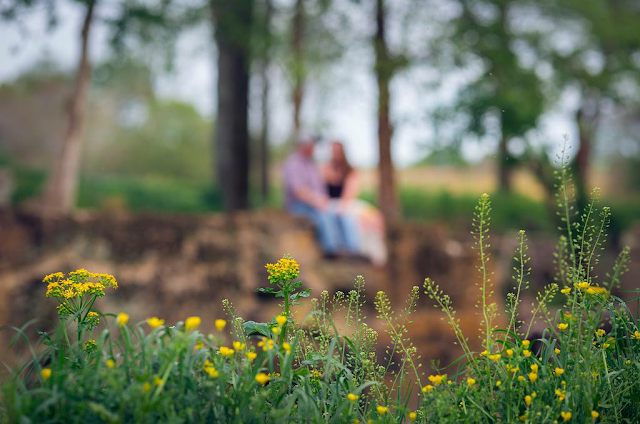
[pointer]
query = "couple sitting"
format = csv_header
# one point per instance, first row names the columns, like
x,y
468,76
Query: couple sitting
x,y
329,198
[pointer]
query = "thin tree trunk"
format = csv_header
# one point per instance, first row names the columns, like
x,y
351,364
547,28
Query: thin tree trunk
x,y
384,69
299,71
504,167
232,22
60,192
264,133
583,157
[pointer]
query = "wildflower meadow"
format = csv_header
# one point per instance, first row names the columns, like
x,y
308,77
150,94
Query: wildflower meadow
x,y
99,367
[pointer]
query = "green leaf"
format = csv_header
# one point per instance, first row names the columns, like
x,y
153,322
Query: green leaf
x,y
252,327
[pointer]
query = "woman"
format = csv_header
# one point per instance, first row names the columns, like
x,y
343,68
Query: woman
x,y
343,188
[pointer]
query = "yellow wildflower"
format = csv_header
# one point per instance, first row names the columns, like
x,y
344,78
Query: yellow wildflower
x,y
286,269
527,400
636,335
220,324
523,418
276,330
146,387
606,345
566,291
262,378
251,355
287,347
281,320
484,352
412,416
352,397
563,326
526,353
583,285
427,388
596,290
561,394
471,382
437,379
521,378
198,345
122,319
265,344
111,363
595,415
155,322
382,409
509,353
566,416
157,381
526,343
533,377
559,371
498,383
556,351
225,351
213,373
534,368
494,357
45,373
192,323
238,346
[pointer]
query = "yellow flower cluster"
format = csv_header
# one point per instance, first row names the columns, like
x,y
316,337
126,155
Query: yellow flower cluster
x,y
286,269
437,379
266,344
210,369
78,284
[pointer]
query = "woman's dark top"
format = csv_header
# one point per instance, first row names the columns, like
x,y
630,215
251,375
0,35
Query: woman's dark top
x,y
335,191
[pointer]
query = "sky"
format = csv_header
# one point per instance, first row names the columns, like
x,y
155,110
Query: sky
x,y
341,99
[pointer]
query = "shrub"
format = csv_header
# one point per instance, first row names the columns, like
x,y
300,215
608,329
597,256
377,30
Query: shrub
x,y
584,368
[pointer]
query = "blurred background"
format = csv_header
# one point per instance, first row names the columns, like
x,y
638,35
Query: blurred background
x,y
145,138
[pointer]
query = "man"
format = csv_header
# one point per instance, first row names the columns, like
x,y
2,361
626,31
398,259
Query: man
x,y
306,195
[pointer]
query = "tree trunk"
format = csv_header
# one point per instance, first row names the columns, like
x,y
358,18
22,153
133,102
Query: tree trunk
x,y
583,158
299,71
232,22
264,131
504,167
384,70
60,192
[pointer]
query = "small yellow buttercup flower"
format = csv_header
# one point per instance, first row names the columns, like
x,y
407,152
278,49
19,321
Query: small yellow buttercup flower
x,y
111,363
566,416
495,357
382,409
533,377
427,388
158,381
527,400
526,343
437,379
155,322
287,347
583,285
498,383
225,351
471,382
146,387
636,335
509,353
281,320
605,345
276,330
220,324
262,378
45,373
213,373
412,416
526,353
122,319
192,323
559,371
563,326
352,397
251,356
566,291
265,344
484,352
556,351
534,368
561,395
521,378
238,346
595,415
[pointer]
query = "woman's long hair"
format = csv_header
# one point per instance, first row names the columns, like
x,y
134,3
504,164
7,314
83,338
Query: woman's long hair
x,y
340,162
